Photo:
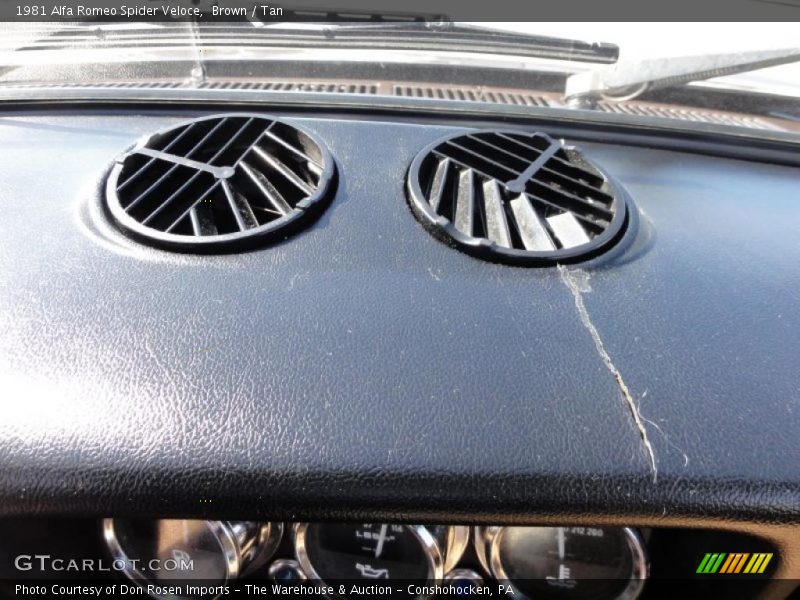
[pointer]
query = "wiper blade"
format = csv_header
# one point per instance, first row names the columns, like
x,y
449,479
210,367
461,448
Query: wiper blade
x,y
628,79
432,36
445,36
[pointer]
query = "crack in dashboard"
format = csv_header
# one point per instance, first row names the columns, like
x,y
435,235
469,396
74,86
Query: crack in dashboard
x,y
577,281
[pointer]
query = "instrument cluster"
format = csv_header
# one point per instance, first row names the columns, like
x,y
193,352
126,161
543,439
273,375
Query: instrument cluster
x,y
419,561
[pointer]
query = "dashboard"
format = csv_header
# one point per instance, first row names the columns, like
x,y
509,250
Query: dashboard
x,y
289,390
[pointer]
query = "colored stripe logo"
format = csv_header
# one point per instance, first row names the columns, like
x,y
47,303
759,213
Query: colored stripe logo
x,y
734,563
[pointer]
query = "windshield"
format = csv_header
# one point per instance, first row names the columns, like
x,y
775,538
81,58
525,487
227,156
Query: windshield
x,y
520,64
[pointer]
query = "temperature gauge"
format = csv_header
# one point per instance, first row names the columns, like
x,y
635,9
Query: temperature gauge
x,y
586,563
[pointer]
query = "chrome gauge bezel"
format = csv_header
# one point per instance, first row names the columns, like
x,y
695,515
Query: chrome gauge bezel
x,y
221,533
464,574
266,542
487,544
457,542
430,546
285,563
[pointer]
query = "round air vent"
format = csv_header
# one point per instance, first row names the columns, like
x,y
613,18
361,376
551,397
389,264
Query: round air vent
x,y
517,198
220,183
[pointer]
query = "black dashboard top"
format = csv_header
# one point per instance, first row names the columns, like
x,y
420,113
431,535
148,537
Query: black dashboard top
x,y
363,367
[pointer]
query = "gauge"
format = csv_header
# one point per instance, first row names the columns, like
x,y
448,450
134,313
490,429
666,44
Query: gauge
x,y
581,563
156,551
377,551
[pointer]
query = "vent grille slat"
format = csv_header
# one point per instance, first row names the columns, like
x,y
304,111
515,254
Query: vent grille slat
x,y
205,138
513,197
574,202
487,146
202,220
496,223
465,202
178,138
281,168
135,202
575,172
193,206
571,201
439,179
235,138
153,214
576,186
567,229
518,184
529,225
242,213
488,165
276,201
291,148
219,183
548,206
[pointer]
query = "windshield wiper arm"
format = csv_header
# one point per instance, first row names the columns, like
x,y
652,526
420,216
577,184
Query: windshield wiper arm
x,y
628,79
446,36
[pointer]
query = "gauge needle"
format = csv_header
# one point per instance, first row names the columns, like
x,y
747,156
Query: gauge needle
x,y
381,540
561,543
